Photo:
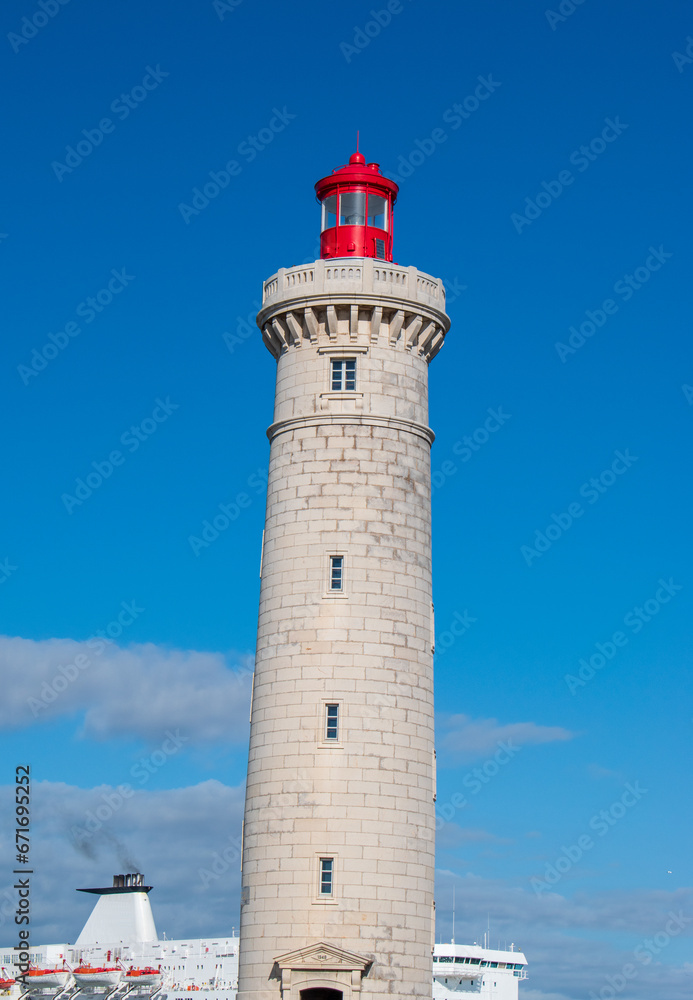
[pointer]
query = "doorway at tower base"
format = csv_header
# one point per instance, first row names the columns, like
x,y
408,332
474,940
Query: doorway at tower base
x,y
321,993
321,972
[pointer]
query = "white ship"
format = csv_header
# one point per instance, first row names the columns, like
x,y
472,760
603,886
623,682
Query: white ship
x,y
482,972
118,954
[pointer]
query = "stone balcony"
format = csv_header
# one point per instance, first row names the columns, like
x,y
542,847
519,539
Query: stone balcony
x,y
354,298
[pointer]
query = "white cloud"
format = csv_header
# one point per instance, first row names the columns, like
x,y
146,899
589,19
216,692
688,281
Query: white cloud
x,y
472,739
598,772
530,994
186,841
572,944
139,691
82,837
451,835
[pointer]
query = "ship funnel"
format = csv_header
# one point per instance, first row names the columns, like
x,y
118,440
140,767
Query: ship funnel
x,y
122,913
132,879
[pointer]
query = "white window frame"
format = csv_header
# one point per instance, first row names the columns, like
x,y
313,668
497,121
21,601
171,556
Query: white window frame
x,y
329,593
322,742
343,376
331,722
320,897
333,569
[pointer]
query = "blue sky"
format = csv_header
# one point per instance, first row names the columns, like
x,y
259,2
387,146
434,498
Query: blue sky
x,y
556,195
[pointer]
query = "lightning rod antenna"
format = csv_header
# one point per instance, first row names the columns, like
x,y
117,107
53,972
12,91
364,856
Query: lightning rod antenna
x,y
453,915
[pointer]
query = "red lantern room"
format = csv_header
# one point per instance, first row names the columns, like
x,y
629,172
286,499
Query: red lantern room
x,y
357,204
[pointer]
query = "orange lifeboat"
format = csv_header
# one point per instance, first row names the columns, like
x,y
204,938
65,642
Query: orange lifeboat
x,y
45,978
90,975
147,976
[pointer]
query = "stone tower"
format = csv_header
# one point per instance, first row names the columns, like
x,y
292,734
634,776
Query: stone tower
x,y
338,841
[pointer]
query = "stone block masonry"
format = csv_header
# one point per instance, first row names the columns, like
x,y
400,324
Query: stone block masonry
x,y
349,479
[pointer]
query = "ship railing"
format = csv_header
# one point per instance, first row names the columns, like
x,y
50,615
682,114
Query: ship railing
x,y
123,990
99,992
65,992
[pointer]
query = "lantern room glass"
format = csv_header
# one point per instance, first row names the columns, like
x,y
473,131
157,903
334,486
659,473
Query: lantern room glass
x,y
377,211
355,208
329,213
352,208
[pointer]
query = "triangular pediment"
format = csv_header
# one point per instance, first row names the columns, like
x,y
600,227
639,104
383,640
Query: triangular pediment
x,y
322,956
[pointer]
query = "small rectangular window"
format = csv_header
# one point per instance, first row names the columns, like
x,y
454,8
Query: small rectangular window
x,y
336,572
326,876
343,374
331,722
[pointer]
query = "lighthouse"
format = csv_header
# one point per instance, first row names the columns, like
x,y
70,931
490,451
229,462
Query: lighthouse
x,y
338,834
